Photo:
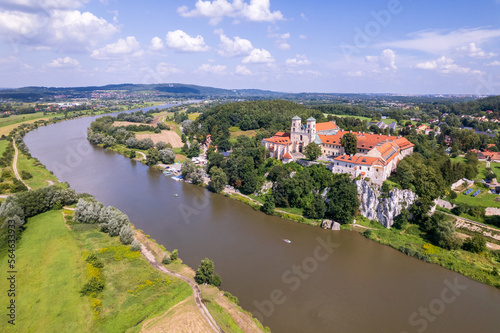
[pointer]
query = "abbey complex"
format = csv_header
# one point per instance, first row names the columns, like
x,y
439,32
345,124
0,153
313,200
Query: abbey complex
x,y
377,155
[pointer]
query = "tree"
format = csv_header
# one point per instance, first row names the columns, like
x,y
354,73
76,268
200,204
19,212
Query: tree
x,y
205,273
174,255
126,234
344,202
152,156
401,221
194,151
268,206
197,176
133,154
218,180
166,259
442,232
316,209
312,151
108,141
167,155
131,142
187,168
350,143
475,244
161,145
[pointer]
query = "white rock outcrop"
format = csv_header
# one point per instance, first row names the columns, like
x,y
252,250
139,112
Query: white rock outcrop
x,y
385,209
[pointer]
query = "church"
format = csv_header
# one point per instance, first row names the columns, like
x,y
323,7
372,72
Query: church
x,y
377,155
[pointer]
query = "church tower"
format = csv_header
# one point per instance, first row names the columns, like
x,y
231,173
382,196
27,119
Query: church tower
x,y
296,133
311,129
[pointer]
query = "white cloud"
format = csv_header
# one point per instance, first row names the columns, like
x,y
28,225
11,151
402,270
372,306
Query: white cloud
x,y
281,41
258,56
128,46
304,17
256,10
234,47
385,61
299,60
156,44
446,65
439,42
493,63
242,70
68,30
357,73
65,62
181,41
165,69
473,51
30,5
302,36
209,69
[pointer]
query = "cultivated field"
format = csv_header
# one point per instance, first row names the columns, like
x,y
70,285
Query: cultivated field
x,y
166,136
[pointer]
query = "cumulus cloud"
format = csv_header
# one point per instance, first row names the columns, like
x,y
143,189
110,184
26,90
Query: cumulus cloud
x,y
68,30
445,65
299,60
128,46
156,44
473,51
258,56
181,41
385,61
493,63
256,10
65,62
234,47
209,69
32,5
242,70
281,41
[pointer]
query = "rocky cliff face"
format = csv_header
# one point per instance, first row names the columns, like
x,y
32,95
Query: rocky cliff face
x,y
383,210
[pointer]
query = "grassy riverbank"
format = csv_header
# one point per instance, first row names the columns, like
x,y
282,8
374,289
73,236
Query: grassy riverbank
x,y
411,241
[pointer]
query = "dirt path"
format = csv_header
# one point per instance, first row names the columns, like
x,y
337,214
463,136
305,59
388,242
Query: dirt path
x,y
142,154
196,290
491,246
14,165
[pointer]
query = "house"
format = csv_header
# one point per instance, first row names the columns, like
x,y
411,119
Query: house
x,y
377,155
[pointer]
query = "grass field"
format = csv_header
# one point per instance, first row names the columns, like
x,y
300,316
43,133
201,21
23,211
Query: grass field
x,y
484,199
250,133
51,272
3,146
41,175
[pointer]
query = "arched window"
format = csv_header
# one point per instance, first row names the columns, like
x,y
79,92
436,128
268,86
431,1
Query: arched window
x,y
301,138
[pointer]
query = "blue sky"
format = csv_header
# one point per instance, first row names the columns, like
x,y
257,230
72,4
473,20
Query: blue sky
x,y
390,46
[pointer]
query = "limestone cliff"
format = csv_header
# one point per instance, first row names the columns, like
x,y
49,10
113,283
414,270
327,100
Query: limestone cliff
x,y
383,209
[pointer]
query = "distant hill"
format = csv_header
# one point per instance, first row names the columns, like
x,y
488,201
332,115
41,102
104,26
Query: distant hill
x,y
168,90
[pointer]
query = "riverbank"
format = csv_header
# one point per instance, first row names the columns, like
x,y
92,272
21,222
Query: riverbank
x,y
116,307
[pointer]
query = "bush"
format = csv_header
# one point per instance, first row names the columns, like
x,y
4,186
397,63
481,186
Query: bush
x,y
475,244
94,285
232,298
26,175
368,233
166,259
174,255
126,235
453,195
135,246
205,273
94,260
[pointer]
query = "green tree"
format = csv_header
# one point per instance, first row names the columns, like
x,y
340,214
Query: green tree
x,y
205,273
268,206
401,221
187,168
174,255
312,151
343,200
316,209
442,232
133,154
475,244
152,156
218,180
350,143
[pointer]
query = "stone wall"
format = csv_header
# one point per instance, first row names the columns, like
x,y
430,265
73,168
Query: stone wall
x,y
383,209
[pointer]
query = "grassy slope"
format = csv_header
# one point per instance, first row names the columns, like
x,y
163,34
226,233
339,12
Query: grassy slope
x,y
39,173
3,146
475,266
50,275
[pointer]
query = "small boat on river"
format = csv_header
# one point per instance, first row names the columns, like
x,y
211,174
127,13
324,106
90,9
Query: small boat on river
x,y
287,241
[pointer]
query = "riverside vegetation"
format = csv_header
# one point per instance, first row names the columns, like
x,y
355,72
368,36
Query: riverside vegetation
x,y
94,277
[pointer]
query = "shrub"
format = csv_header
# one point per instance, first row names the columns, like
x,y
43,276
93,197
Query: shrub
x,y
94,285
166,259
232,298
174,255
475,244
26,175
135,246
368,233
126,235
94,260
205,273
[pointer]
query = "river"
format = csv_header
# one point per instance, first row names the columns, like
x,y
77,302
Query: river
x,y
323,281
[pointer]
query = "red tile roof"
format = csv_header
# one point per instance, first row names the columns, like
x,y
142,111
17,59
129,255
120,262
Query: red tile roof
x,y
364,160
325,126
280,137
287,156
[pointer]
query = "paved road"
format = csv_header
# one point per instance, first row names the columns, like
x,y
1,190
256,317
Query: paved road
x,y
14,165
196,290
